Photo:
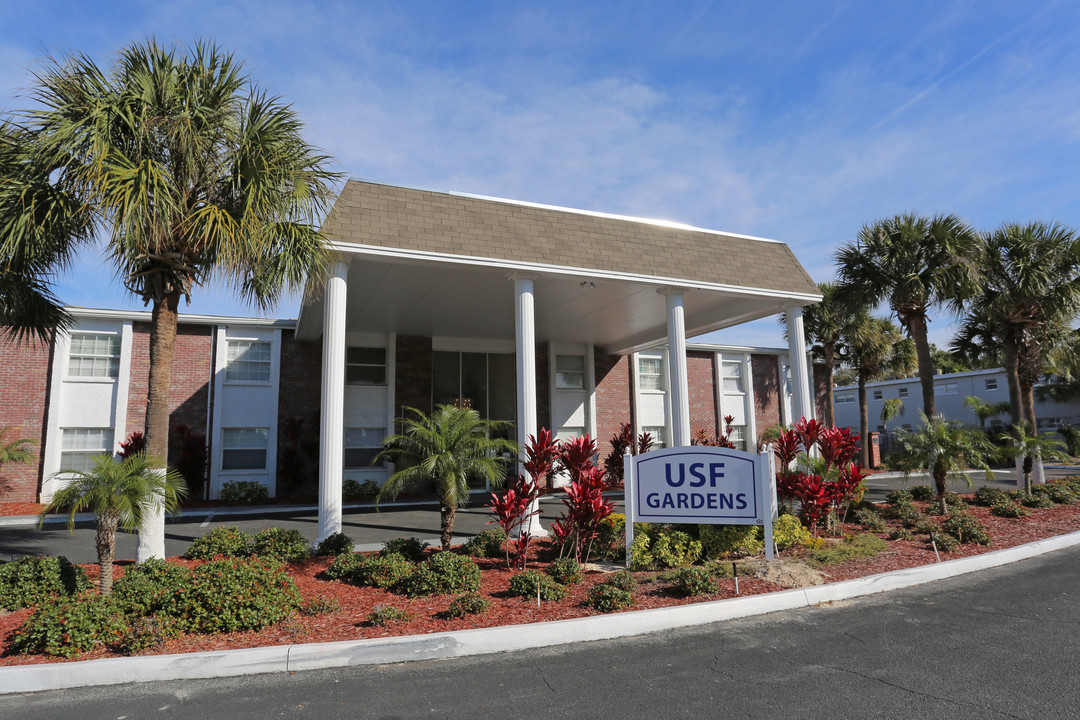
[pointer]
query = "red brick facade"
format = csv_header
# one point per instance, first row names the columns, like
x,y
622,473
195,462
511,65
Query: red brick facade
x,y
25,369
614,397
700,378
543,387
766,372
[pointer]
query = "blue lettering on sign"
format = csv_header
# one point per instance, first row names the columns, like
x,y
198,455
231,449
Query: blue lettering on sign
x,y
682,475
653,500
699,477
716,471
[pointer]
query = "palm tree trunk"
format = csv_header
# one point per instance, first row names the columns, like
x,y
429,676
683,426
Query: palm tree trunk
x,y
864,423
1012,375
105,540
940,478
916,325
446,520
162,345
829,351
1027,404
1029,464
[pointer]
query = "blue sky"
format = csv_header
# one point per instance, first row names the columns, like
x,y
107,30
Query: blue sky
x,y
798,121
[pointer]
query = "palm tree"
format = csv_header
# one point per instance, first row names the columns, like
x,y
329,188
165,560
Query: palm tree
x,y
915,263
941,446
194,173
1028,297
18,450
876,348
825,325
448,448
119,493
985,410
1021,442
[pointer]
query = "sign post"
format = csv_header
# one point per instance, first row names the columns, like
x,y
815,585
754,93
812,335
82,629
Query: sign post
x,y
703,485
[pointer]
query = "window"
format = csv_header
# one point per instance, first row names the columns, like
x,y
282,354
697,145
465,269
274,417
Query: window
x,y
569,433
243,448
731,376
878,395
659,436
248,361
991,383
738,436
362,445
844,398
365,366
79,446
651,373
946,388
95,355
570,372
906,427
903,392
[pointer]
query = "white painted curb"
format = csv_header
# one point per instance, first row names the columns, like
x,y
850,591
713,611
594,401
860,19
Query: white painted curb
x,y
460,643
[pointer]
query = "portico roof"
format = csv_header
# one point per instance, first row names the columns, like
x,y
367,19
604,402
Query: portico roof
x,y
427,262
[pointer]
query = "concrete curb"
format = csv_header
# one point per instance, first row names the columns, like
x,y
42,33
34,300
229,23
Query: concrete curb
x,y
440,646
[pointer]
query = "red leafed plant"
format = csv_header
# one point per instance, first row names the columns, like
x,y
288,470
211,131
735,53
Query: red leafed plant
x,y
620,443
723,440
837,446
786,449
511,512
541,453
576,455
821,486
586,508
808,431
135,444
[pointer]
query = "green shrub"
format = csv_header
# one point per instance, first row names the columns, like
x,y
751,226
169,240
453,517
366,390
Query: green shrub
x,y
384,615
913,519
851,548
409,548
610,542
344,567
220,542
469,603
953,502
622,580
249,492
488,543
383,571
675,548
944,542
901,533
1060,491
320,605
528,583
1038,499
68,626
334,544
147,632
966,528
788,531
233,594
280,544
155,587
988,496
922,492
1008,509
33,580
870,520
731,540
355,490
899,497
442,573
565,571
640,557
693,581
607,598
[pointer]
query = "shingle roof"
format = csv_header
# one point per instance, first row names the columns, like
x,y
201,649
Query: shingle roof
x,y
430,221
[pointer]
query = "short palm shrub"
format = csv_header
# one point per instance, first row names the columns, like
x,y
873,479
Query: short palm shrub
x,y
68,626
531,584
410,548
607,598
1007,508
234,594
248,492
921,492
334,544
442,573
32,580
487,543
469,603
384,615
565,571
220,542
287,545
693,581
966,528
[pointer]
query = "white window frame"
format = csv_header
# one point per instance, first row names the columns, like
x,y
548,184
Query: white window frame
x,y
356,364
879,394
725,366
991,384
248,443
112,359
660,385
902,393
659,435
949,388
564,373
845,398
234,361
85,454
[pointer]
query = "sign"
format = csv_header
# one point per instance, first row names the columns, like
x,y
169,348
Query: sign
x,y
702,485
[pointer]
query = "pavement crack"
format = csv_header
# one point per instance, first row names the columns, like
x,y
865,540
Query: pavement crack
x,y
929,696
549,687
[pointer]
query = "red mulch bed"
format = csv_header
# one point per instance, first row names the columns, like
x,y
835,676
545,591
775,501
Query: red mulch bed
x,y
429,613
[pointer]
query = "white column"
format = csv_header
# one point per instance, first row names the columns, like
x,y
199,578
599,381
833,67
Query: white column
x,y
332,432
678,387
800,377
525,347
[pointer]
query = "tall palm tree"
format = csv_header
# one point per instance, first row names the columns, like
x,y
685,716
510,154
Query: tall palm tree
x,y
825,324
448,447
194,174
941,446
876,347
1027,300
914,263
119,493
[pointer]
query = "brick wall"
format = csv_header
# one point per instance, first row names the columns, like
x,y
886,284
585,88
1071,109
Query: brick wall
x,y
700,377
543,388
24,378
413,373
190,385
300,398
821,391
614,397
766,372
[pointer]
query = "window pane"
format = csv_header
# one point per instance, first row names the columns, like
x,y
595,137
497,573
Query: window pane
x,y
359,457
474,381
658,435
243,438
364,437
94,355
365,374
569,433
445,377
570,363
570,380
243,459
248,361
366,356
732,376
